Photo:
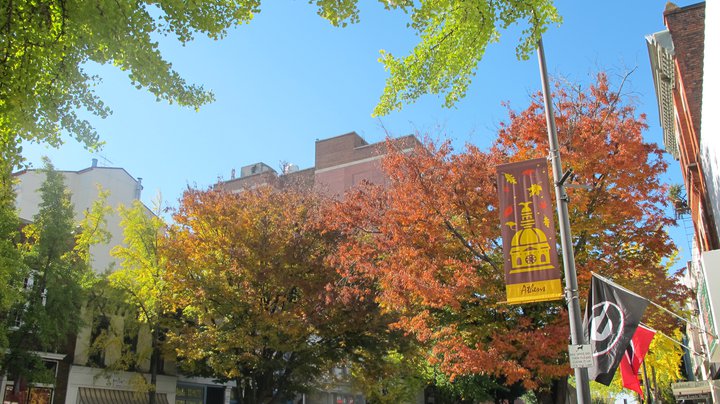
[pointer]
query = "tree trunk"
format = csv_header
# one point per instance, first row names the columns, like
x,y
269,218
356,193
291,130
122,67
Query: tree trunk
x,y
247,394
154,358
556,395
259,391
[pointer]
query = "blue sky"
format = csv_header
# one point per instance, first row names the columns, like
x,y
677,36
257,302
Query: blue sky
x,y
289,78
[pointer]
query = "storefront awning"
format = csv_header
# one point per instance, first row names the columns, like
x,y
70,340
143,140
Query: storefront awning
x,y
88,395
700,390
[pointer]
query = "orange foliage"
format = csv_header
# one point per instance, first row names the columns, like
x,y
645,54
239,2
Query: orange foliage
x,y
248,279
619,226
428,242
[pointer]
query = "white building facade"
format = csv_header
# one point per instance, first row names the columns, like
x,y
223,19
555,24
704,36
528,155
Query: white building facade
x,y
78,380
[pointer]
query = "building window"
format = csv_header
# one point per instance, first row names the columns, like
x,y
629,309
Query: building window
x,y
189,394
344,399
18,312
32,395
129,347
99,341
198,394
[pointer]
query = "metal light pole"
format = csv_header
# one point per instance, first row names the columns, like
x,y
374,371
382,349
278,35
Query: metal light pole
x,y
571,286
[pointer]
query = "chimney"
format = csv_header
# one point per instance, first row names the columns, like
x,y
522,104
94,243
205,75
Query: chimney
x,y
232,174
94,163
138,188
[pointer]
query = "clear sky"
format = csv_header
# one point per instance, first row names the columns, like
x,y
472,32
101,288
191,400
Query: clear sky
x,y
289,78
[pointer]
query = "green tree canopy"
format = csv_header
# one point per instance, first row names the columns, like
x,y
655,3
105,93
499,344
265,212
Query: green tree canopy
x,y
453,37
46,316
46,45
10,263
141,277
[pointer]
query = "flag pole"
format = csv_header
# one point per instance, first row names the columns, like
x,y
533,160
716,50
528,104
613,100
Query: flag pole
x,y
689,322
654,382
571,287
694,352
648,396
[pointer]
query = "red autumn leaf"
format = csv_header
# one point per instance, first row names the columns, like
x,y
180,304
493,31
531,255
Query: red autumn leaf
x,y
508,211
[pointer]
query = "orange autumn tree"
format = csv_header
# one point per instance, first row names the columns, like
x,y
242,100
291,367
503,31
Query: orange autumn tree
x,y
620,223
429,240
255,301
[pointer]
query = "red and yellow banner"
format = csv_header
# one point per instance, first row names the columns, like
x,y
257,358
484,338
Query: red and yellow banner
x,y
531,266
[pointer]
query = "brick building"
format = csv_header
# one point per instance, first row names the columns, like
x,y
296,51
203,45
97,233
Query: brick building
x,y
683,61
341,162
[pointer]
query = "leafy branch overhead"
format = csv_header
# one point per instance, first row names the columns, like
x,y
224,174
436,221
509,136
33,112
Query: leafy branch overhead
x,y
454,35
46,46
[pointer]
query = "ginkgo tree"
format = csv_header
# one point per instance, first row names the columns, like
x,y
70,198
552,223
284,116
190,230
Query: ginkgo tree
x,y
453,38
429,240
141,279
47,47
10,263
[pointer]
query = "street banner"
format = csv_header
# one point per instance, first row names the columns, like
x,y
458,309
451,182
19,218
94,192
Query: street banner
x,y
531,266
611,316
633,358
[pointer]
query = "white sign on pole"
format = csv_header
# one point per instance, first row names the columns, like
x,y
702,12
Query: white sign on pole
x,y
580,356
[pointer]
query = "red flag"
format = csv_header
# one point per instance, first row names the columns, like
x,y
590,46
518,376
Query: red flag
x,y
633,358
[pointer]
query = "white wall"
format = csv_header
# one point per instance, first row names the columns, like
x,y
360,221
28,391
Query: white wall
x,y
83,185
710,307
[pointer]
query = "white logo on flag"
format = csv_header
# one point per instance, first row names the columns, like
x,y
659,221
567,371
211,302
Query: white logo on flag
x,y
606,325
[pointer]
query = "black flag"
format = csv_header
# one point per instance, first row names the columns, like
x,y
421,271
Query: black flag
x,y
611,317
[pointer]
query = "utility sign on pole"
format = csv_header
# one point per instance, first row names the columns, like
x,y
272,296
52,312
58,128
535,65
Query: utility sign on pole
x,y
581,356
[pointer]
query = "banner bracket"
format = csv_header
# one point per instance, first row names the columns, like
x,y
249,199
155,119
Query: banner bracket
x,y
564,178
571,294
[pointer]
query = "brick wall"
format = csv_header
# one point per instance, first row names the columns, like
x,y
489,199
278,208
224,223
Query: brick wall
x,y
687,27
341,163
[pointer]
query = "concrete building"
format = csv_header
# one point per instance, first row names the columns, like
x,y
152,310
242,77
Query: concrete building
x,y
684,61
83,185
75,381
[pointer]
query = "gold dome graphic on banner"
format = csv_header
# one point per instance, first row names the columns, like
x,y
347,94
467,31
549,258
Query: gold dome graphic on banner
x,y
529,250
